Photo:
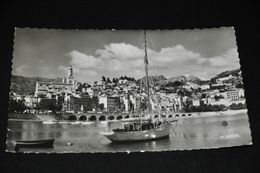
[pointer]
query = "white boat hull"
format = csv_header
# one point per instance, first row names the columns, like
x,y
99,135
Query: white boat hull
x,y
152,134
49,122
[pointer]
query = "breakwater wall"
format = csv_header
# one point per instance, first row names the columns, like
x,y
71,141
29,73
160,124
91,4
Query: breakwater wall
x,y
32,116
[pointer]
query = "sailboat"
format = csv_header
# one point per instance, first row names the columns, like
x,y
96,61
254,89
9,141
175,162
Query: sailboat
x,y
139,128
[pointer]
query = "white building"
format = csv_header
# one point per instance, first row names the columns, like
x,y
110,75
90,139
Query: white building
x,y
196,102
241,93
225,78
110,103
205,86
192,85
233,94
51,89
31,101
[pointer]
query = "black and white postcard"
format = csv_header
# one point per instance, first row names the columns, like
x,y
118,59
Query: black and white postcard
x,y
126,91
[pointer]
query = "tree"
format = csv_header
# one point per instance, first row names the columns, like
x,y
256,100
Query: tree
x,y
239,85
115,80
101,106
216,97
88,107
103,78
108,80
143,105
187,105
48,104
16,106
234,106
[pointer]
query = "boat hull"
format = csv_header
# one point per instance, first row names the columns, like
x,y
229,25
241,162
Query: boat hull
x,y
34,143
144,135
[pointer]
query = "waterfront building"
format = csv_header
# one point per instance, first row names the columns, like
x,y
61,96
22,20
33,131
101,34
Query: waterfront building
x,y
233,95
178,103
81,103
110,103
165,101
31,101
50,89
225,102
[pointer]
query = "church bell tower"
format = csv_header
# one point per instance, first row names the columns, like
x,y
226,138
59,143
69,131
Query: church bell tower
x,y
70,78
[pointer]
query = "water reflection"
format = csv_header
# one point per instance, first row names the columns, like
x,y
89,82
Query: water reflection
x,y
191,133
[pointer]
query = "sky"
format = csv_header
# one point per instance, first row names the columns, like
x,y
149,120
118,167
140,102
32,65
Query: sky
x,y
113,53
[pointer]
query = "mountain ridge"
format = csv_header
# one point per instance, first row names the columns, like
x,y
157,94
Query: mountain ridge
x,y
26,85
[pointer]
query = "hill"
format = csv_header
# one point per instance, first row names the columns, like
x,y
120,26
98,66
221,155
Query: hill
x,y
26,85
235,73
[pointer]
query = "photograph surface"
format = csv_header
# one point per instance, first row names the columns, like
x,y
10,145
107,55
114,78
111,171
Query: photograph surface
x,y
126,91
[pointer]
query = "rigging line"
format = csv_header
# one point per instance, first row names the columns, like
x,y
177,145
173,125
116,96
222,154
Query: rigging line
x,y
140,38
174,127
151,78
151,41
100,139
159,67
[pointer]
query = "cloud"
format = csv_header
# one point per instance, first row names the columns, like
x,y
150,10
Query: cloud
x,y
81,60
88,73
78,71
124,59
214,65
21,68
119,51
63,68
41,61
43,68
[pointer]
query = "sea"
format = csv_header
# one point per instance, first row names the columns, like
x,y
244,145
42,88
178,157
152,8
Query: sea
x,y
205,132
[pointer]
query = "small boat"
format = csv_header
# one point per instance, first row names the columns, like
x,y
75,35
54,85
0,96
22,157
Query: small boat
x,y
34,143
75,123
87,122
49,122
64,122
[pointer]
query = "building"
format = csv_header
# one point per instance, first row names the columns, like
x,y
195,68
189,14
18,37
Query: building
x,y
51,89
193,85
241,93
165,102
110,103
82,103
217,85
224,78
196,102
205,86
227,102
31,101
233,95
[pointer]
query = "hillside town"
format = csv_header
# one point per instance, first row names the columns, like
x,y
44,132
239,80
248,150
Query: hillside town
x,y
126,94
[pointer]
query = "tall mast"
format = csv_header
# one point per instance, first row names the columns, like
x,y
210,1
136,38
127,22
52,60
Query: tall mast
x,y
146,73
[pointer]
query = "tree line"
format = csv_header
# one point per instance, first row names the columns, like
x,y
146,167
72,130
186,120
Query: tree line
x,y
215,108
116,80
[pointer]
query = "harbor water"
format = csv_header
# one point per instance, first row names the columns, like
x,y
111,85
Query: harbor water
x,y
190,133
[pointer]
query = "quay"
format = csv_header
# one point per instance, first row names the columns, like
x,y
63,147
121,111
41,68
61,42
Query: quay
x,y
117,116
105,116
